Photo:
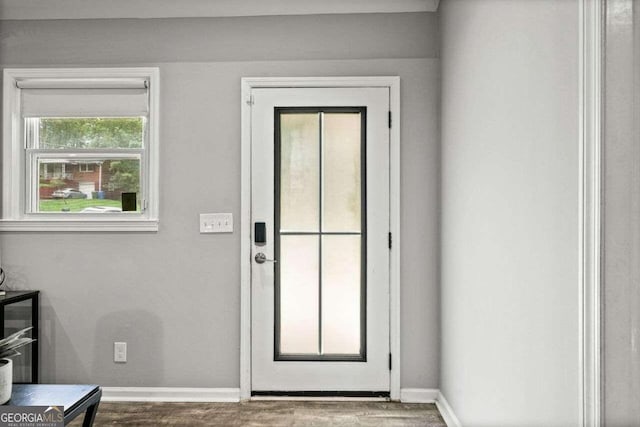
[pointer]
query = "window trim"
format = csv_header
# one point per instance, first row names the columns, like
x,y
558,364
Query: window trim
x,y
14,216
86,165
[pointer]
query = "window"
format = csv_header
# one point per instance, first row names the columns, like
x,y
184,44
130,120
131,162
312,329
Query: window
x,y
86,167
76,143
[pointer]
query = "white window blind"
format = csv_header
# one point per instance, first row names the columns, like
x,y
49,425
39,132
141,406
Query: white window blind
x,y
84,98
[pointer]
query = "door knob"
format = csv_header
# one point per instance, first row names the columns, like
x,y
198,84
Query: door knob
x,y
262,258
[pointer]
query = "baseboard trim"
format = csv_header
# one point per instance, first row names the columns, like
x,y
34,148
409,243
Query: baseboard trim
x,y
418,395
447,412
169,394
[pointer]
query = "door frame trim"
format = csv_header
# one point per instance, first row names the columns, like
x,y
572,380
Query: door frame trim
x,y
246,102
590,58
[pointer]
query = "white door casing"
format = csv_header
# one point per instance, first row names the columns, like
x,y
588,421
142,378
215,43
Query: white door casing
x,y
392,85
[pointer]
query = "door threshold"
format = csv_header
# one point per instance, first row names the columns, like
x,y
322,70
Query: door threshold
x,y
326,396
321,398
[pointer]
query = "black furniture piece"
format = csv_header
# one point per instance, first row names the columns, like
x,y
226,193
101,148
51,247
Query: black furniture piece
x,y
76,399
12,297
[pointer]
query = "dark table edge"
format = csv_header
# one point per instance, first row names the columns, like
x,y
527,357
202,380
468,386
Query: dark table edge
x,y
94,394
17,298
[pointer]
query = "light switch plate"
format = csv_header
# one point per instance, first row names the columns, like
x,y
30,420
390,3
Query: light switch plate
x,y
216,223
120,352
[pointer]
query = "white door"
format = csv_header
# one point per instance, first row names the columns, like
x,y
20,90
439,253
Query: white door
x,y
320,250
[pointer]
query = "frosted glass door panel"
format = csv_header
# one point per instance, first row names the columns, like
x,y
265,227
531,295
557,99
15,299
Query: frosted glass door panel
x,y
299,173
319,232
341,175
299,294
341,294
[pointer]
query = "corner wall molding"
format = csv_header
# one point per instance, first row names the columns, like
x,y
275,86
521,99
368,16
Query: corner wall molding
x,y
590,56
169,394
447,412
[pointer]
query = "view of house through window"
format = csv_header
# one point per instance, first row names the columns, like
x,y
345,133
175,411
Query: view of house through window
x,y
85,164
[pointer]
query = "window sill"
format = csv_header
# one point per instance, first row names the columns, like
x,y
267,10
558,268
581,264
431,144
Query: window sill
x,y
139,225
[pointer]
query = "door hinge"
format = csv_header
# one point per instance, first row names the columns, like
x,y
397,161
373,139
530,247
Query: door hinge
x,y
390,240
389,119
250,101
390,365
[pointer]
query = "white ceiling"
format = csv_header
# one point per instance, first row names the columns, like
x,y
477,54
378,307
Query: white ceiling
x,y
102,9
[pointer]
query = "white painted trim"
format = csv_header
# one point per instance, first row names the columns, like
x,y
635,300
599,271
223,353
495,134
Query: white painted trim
x,y
69,225
419,395
245,242
591,37
13,183
169,394
153,185
82,9
394,226
11,177
249,83
296,82
447,412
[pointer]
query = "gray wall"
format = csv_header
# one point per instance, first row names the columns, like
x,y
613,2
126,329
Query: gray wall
x,y
174,295
510,211
621,311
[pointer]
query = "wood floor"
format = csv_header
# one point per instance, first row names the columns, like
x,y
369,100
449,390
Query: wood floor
x,y
268,413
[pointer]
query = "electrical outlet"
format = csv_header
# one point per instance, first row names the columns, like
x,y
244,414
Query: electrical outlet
x,y
216,223
120,352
